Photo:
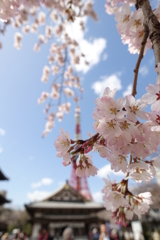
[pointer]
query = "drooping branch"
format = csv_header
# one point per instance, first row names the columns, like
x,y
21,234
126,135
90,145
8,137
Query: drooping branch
x,y
154,27
143,43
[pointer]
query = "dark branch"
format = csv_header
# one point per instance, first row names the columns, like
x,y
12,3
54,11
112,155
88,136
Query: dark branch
x,y
143,43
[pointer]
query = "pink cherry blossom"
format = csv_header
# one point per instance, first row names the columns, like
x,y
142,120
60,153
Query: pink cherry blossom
x,y
118,162
136,21
134,108
109,129
154,118
117,199
90,170
123,18
66,159
146,197
80,171
140,172
85,166
110,108
153,97
120,141
128,214
62,144
102,150
108,186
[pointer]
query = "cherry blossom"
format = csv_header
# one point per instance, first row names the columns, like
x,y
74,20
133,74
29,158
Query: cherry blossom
x,y
117,199
85,166
62,144
153,97
109,129
134,108
18,40
123,18
118,162
102,150
110,108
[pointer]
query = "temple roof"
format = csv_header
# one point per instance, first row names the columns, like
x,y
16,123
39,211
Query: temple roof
x,y
3,200
66,194
66,205
2,176
65,198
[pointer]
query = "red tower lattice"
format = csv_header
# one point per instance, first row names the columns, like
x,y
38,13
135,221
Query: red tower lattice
x,y
79,184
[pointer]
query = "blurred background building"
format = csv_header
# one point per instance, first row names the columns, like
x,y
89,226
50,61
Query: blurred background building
x,y
3,200
65,207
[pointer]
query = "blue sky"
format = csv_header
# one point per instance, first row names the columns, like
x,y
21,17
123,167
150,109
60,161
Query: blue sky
x,y
27,159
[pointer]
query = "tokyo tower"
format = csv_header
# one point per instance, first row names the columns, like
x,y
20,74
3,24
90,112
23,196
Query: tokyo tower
x,y
79,184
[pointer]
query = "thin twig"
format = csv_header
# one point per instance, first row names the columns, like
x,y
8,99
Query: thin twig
x,y
143,43
130,161
62,78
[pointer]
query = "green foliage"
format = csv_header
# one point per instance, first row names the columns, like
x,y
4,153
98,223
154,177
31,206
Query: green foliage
x,y
146,231
10,229
27,229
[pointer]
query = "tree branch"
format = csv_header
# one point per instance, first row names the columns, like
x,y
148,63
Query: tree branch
x,y
153,25
143,43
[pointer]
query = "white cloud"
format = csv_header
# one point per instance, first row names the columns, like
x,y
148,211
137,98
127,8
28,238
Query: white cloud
x,y
128,90
143,71
38,195
36,185
106,170
113,81
97,196
1,150
2,132
43,181
92,49
105,56
47,181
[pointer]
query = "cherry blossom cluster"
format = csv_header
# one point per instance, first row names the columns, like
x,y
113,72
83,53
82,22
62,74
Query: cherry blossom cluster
x,y
12,8
130,24
126,142
123,203
49,19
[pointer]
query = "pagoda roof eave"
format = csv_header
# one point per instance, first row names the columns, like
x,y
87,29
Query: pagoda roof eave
x,y
65,186
2,176
69,217
3,200
65,205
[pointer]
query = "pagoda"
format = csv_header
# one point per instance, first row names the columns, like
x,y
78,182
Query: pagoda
x,y
3,200
71,205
